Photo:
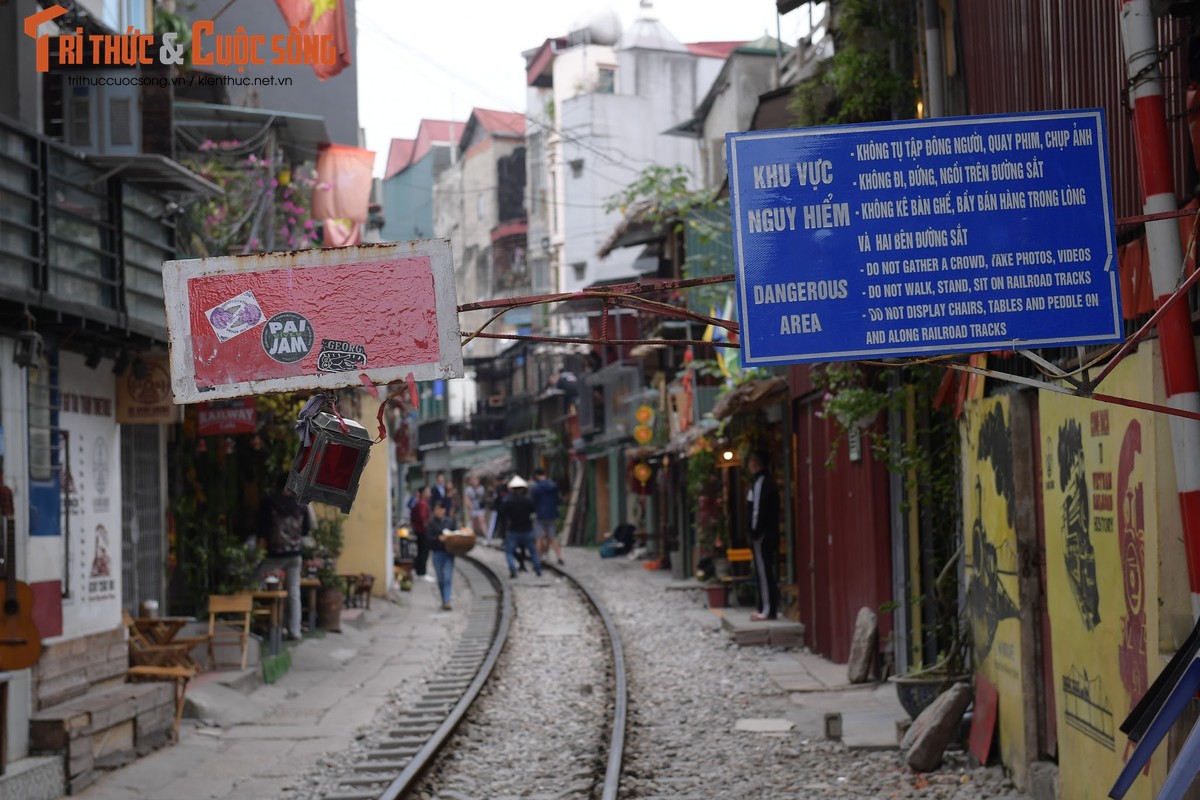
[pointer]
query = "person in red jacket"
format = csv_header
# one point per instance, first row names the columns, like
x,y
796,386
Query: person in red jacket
x,y
419,517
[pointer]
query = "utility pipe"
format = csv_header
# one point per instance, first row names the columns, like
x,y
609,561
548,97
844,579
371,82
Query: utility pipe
x,y
1166,260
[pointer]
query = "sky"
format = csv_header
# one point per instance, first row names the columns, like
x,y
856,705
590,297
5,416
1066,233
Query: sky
x,y
438,59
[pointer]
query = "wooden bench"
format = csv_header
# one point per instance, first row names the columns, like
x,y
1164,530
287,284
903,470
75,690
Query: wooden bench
x,y
105,727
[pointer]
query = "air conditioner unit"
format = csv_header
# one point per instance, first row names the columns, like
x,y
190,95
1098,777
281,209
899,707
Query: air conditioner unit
x,y
99,119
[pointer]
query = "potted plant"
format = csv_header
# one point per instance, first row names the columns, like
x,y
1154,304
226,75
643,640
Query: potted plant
x,y
322,562
704,487
718,592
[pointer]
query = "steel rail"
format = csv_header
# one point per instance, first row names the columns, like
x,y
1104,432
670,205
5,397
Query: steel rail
x,y
425,756
616,747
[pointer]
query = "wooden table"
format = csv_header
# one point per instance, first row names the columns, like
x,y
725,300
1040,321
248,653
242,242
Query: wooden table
x,y
310,587
272,601
160,630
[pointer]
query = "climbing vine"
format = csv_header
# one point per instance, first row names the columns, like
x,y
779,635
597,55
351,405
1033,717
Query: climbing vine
x,y
870,76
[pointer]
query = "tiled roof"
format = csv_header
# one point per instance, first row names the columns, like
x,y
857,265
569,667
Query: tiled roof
x,y
713,49
500,122
399,156
405,152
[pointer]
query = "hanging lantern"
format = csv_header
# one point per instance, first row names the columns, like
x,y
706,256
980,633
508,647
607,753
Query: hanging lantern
x,y
329,468
28,348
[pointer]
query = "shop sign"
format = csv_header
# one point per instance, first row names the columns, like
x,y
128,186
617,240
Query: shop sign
x,y
226,417
311,320
146,400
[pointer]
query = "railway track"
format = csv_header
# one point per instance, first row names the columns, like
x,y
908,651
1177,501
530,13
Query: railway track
x,y
417,748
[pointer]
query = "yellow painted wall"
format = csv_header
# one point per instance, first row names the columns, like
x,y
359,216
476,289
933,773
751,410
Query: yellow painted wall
x,y
365,529
993,599
1102,553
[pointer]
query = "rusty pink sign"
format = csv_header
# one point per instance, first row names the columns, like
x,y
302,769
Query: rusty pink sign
x,y
313,319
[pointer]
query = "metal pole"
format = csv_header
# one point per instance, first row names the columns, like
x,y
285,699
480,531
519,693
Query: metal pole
x,y
933,57
1166,257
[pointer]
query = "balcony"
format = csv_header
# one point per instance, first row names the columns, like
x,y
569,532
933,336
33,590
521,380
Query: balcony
x,y
80,241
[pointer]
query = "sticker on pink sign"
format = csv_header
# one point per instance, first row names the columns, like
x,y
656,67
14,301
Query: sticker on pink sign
x,y
311,319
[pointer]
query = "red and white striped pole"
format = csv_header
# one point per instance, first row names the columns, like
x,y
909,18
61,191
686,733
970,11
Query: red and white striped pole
x,y
1166,260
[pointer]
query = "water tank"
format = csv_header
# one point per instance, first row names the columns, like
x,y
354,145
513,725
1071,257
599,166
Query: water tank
x,y
601,26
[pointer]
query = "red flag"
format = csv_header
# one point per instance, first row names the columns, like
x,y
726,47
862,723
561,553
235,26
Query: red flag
x,y
343,189
321,18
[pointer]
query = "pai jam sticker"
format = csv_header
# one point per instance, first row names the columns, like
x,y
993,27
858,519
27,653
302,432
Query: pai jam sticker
x,y
287,337
236,315
339,356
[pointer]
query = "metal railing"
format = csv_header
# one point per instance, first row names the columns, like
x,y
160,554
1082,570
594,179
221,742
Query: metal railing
x,y
75,239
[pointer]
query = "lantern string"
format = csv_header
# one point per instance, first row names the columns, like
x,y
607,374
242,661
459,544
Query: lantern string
x,y
304,421
338,414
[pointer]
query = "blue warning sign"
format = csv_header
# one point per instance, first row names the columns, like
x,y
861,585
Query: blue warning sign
x,y
924,237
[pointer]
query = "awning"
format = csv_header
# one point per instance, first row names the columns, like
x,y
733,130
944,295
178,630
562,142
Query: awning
x,y
155,173
301,135
492,469
750,396
636,227
684,442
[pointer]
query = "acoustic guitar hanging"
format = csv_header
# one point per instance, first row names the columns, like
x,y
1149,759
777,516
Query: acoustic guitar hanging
x,y
20,643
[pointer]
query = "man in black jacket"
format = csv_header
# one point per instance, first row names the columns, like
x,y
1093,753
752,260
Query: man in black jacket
x,y
763,502
517,510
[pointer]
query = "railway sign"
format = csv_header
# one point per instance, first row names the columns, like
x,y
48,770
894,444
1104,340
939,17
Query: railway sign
x,y
924,236
311,319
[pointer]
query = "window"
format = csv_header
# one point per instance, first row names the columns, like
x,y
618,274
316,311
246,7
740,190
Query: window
x,y
606,81
580,268
81,118
119,120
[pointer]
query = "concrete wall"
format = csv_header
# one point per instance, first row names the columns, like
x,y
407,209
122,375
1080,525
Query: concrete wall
x,y
620,135
408,198
21,88
367,539
749,76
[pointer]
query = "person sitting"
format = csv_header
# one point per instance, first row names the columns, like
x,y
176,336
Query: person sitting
x,y
619,542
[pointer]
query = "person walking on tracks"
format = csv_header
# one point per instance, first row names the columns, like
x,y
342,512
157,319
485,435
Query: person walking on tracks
x,y
518,512
763,502
546,501
443,561
419,516
476,498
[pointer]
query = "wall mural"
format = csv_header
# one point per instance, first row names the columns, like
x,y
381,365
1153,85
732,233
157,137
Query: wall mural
x,y
1131,531
989,503
1079,554
1098,483
988,601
